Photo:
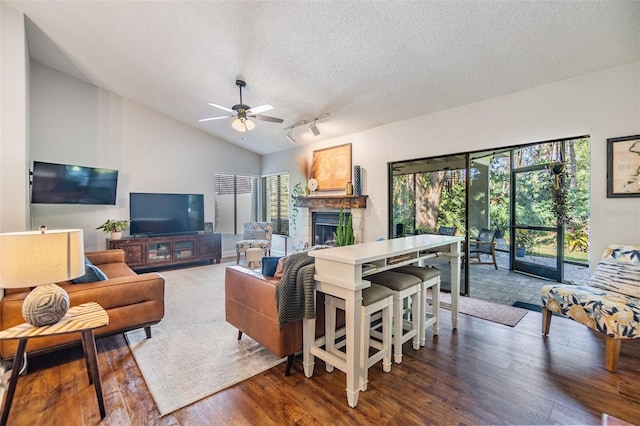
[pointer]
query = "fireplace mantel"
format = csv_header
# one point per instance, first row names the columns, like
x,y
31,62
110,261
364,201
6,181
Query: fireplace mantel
x,y
333,201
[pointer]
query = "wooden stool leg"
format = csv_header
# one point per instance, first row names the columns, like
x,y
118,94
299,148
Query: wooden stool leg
x,y
329,328
89,344
13,381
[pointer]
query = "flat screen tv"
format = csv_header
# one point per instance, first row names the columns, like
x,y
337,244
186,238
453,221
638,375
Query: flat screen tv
x,y
164,214
54,183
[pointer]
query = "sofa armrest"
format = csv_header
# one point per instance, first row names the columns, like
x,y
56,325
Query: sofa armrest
x,y
106,256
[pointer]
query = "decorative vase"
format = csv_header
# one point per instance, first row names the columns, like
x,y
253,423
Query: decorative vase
x,y
349,189
520,251
357,184
116,235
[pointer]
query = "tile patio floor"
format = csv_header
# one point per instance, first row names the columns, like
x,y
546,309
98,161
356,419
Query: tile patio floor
x,y
504,286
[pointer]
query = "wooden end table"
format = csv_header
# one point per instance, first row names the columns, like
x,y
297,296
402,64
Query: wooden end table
x,y
82,318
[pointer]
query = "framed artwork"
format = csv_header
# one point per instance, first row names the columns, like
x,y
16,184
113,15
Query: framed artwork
x,y
332,167
623,167
208,227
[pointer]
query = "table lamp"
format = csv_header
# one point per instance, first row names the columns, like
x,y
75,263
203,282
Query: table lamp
x,y
39,259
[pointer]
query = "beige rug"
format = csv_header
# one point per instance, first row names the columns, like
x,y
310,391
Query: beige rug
x,y
194,352
495,312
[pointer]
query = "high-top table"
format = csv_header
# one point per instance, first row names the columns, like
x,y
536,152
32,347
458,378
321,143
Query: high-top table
x,y
342,271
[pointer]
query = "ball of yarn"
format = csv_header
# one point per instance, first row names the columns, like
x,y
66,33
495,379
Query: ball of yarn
x,y
45,305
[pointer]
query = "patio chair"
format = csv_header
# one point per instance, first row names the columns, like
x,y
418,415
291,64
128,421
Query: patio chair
x,y
608,304
255,235
484,243
447,230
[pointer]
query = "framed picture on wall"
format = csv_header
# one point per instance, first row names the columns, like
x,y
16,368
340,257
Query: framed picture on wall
x,y
623,167
332,167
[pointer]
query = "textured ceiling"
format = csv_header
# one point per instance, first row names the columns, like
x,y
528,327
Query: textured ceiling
x,y
367,63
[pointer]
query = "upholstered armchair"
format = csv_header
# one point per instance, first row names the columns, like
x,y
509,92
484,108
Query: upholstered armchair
x,y
255,235
609,303
484,243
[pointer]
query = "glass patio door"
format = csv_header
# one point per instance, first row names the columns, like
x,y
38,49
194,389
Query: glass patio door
x,y
536,239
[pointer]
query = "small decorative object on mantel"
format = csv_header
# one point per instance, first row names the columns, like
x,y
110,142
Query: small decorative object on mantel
x,y
348,189
357,184
115,227
312,185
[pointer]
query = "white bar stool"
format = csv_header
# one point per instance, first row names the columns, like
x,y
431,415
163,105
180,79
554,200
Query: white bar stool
x,y
254,255
375,299
406,316
430,279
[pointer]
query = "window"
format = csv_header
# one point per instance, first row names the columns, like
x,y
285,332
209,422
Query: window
x,y
275,202
236,202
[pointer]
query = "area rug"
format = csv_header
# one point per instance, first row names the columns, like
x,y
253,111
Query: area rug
x,y
194,352
494,312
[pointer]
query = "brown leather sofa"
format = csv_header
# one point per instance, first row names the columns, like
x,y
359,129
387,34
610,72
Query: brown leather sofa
x,y
250,306
131,300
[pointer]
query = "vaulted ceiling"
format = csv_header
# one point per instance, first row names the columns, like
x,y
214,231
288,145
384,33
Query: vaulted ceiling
x,y
366,63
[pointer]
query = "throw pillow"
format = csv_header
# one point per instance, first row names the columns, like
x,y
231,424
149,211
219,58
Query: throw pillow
x,y
91,274
87,261
269,265
280,268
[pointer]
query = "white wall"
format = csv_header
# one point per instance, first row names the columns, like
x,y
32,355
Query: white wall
x,y
14,71
603,105
73,122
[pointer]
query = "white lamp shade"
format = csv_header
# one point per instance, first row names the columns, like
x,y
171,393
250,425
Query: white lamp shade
x,y
237,124
32,258
250,124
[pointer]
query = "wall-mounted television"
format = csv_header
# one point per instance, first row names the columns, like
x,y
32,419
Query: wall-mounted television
x,y
54,183
164,214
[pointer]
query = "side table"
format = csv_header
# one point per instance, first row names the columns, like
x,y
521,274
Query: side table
x,y
82,318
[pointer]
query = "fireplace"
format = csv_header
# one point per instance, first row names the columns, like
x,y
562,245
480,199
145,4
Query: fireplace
x,y
324,209
323,227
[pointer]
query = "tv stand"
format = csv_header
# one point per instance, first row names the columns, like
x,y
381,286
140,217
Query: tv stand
x,y
169,250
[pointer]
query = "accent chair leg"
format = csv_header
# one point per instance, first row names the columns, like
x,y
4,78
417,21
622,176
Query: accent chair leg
x,y
147,331
612,353
239,334
546,321
287,370
237,258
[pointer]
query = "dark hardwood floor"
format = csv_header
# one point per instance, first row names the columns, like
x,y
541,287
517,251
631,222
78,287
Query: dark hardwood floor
x,y
483,373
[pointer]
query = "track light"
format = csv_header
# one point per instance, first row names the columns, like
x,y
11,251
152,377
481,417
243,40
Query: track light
x,y
290,136
313,128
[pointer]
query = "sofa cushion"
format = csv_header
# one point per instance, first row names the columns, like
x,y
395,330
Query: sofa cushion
x,y
92,274
269,265
280,268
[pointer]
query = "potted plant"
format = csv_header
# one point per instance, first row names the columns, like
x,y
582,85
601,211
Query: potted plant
x,y
524,241
115,227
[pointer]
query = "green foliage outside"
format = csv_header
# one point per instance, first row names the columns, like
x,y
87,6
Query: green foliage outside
x,y
536,198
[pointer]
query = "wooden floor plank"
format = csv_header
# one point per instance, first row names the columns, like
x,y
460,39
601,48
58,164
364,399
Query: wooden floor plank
x,y
482,373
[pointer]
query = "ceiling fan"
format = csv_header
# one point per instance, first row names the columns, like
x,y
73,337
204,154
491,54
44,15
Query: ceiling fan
x,y
242,113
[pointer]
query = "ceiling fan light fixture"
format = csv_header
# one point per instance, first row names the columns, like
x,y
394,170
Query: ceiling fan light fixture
x,y
237,124
250,125
313,128
290,136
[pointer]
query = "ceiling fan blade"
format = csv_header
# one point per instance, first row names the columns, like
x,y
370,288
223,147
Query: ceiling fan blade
x,y
260,109
216,118
267,118
221,107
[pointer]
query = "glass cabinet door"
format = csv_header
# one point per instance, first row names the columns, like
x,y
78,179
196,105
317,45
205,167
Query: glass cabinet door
x,y
184,249
160,251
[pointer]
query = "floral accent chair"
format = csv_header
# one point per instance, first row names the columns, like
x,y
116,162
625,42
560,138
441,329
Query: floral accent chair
x,y
609,303
255,235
